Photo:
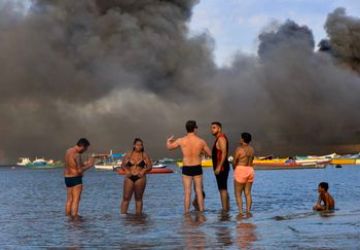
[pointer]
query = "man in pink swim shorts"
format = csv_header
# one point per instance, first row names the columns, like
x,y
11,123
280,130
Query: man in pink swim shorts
x,y
244,172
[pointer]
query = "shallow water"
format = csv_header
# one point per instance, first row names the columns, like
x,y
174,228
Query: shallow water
x,y
32,213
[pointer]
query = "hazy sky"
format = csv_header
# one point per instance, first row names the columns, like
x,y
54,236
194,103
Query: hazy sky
x,y
235,24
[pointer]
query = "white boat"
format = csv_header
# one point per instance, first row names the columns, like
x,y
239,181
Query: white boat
x,y
314,160
167,161
158,164
41,163
108,165
23,161
105,167
108,161
309,162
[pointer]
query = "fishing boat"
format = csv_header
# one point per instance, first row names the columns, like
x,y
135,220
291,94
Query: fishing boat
x,y
312,161
166,161
298,162
350,159
41,163
109,161
23,161
286,166
158,164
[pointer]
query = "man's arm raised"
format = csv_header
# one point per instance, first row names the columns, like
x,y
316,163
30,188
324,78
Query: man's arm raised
x,y
172,143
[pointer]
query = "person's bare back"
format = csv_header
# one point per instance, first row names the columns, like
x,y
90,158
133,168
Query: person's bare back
x,y
244,156
192,148
328,200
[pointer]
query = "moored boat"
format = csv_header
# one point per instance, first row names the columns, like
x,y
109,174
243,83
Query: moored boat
x,y
158,164
109,161
344,161
23,161
291,163
286,166
41,163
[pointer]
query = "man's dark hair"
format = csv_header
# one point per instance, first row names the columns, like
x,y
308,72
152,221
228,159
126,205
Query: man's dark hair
x,y
324,185
217,124
246,137
190,126
83,142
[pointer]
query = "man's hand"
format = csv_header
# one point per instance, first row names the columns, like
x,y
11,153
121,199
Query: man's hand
x,y
171,139
171,143
91,161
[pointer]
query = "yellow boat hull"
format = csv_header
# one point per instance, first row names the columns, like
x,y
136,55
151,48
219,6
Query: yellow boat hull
x,y
343,161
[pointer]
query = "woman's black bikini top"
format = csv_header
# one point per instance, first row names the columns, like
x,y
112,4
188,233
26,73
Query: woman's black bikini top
x,y
141,164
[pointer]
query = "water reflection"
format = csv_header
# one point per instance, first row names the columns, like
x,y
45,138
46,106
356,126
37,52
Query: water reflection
x,y
224,216
245,235
194,237
245,231
223,232
194,219
136,220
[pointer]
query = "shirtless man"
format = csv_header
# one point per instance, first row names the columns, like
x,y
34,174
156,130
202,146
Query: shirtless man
x,y
243,172
221,164
192,147
73,173
325,198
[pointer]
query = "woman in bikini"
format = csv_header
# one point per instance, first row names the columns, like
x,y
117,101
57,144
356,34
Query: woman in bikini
x,y
244,172
136,165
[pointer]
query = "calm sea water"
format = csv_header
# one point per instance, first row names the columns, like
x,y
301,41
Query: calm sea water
x,y
32,213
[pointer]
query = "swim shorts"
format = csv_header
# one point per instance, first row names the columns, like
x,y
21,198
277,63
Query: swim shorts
x,y
73,181
192,170
222,177
244,174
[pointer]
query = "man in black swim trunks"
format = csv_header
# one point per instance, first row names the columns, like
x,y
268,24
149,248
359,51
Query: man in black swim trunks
x,y
73,173
192,147
221,164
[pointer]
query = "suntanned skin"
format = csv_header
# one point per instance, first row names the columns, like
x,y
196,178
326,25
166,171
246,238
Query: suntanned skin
x,y
221,145
75,167
137,187
192,147
325,202
243,156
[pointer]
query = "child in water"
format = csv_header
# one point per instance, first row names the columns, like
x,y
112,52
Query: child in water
x,y
325,198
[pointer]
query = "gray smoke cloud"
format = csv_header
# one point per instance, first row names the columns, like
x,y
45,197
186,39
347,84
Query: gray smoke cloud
x,y
344,35
119,69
